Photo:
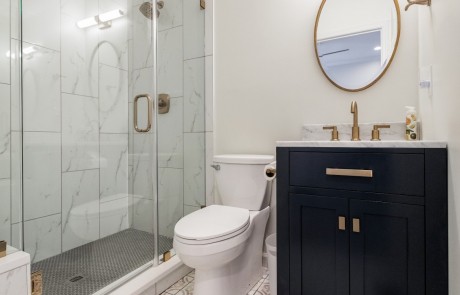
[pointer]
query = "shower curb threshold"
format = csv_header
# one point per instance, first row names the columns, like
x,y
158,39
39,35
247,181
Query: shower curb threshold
x,y
155,277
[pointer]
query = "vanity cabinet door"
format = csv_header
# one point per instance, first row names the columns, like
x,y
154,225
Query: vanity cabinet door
x,y
319,243
387,249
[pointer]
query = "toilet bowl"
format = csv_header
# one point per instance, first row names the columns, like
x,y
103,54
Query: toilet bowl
x,y
224,243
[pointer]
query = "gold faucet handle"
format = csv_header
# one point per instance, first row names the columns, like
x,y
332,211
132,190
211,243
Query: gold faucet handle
x,y
376,131
334,134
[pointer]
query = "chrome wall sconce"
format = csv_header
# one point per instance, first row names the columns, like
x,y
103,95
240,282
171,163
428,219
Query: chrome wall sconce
x,y
418,2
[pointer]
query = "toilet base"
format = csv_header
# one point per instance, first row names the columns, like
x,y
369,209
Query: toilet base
x,y
240,275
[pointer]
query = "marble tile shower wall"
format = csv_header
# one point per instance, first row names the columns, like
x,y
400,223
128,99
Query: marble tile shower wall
x,y
75,110
10,130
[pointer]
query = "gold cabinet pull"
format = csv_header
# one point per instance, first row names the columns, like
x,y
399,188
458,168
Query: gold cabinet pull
x,y
350,172
342,223
149,113
356,225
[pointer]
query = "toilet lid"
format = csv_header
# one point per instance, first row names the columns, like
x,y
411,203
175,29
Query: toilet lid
x,y
212,222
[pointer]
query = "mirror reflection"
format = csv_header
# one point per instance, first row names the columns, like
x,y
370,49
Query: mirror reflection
x,y
356,40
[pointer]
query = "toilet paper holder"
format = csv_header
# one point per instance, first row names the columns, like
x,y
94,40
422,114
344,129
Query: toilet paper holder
x,y
270,172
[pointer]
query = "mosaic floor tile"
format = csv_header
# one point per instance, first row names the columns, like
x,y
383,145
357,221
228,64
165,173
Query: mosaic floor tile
x,y
185,286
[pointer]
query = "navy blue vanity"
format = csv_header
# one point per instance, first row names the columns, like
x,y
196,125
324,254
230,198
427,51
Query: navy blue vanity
x,y
362,221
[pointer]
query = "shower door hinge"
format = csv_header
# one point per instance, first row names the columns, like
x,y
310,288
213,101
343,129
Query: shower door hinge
x,y
166,256
3,249
37,283
203,4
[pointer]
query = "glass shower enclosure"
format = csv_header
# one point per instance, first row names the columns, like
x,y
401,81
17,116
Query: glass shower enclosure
x,y
102,143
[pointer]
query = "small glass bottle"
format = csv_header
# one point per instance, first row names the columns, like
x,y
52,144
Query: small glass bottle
x,y
411,123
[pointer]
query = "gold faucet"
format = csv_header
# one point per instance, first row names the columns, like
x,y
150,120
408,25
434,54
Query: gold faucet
x,y
355,128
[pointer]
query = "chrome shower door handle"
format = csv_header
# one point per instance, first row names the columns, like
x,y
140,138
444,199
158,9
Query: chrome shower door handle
x,y
149,113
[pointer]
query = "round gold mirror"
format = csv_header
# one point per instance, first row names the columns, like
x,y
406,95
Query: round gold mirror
x,y
356,40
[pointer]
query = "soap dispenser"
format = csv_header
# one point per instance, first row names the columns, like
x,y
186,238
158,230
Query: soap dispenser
x,y
411,123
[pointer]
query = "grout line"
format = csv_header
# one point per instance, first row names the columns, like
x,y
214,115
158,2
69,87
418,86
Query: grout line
x,y
193,58
40,217
54,132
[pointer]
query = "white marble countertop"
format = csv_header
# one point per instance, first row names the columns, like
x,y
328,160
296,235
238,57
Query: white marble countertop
x,y
365,144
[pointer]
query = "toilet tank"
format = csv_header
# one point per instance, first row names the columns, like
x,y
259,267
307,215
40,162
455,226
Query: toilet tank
x,y
240,180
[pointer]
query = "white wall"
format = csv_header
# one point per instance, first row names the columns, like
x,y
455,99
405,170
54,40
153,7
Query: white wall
x,y
439,29
268,82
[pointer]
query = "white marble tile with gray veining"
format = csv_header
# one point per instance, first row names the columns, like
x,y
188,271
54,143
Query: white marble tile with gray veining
x,y
209,27
5,42
113,48
170,62
16,235
79,9
79,57
143,168
143,210
80,208
16,177
41,23
170,199
42,174
194,22
209,94
16,112
114,166
15,23
14,7
141,83
41,91
80,133
210,186
5,214
42,237
114,216
170,15
171,136
130,134
142,40
13,282
194,95
5,131
113,100
194,169
190,209
315,132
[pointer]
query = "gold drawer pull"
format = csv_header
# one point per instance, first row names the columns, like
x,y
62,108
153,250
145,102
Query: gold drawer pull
x,y
349,172
342,223
356,225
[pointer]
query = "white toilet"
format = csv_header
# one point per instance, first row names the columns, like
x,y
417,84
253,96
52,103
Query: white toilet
x,y
224,242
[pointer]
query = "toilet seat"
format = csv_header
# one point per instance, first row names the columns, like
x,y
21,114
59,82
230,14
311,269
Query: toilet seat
x,y
212,224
